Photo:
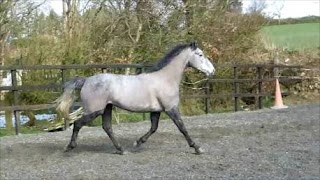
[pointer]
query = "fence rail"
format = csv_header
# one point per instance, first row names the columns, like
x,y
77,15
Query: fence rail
x,y
236,81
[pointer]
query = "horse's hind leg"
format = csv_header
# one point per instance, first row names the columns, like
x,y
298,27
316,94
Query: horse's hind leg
x,y
78,124
175,116
107,126
154,117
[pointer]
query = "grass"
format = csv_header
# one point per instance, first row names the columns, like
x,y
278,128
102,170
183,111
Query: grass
x,y
38,128
303,36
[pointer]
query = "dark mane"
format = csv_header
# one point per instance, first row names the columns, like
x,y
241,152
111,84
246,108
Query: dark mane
x,y
168,57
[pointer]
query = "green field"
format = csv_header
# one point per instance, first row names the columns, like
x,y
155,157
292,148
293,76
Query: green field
x,y
304,36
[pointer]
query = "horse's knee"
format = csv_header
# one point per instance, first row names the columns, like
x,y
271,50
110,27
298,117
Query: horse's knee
x,y
107,128
104,127
153,129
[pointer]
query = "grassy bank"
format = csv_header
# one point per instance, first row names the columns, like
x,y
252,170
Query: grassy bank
x,y
293,36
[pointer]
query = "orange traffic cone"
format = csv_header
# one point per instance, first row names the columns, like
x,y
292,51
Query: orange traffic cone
x,y
278,103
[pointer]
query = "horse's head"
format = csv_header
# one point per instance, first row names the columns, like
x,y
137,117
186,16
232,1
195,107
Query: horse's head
x,y
199,61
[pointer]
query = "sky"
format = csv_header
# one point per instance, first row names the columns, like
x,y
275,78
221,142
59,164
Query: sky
x,y
287,8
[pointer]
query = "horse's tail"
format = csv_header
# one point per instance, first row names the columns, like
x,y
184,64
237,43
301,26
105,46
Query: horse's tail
x,y
65,101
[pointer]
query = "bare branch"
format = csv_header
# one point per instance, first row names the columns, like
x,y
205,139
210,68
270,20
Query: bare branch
x,y
257,6
33,8
138,34
129,30
85,6
100,8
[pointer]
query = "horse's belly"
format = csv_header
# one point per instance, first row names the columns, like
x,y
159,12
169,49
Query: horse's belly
x,y
138,103
140,108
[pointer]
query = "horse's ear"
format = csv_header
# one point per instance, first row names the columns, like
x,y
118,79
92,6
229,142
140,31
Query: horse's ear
x,y
194,45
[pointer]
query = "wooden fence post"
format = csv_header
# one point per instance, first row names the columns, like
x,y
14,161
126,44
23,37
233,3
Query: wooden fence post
x,y
235,88
63,80
276,62
15,99
259,87
207,100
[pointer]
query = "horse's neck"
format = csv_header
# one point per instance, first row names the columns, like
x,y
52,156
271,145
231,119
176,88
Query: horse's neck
x,y
174,70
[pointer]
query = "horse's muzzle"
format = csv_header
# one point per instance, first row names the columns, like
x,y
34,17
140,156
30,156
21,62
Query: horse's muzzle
x,y
210,74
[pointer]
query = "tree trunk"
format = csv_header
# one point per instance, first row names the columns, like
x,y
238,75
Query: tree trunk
x,y
189,15
135,38
64,15
8,117
3,48
69,16
1,64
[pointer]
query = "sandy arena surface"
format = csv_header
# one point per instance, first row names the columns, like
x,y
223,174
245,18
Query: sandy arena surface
x,y
264,144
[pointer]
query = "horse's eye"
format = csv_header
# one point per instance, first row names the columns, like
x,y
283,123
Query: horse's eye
x,y
199,54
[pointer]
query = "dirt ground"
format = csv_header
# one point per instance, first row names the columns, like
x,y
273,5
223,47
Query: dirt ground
x,y
264,144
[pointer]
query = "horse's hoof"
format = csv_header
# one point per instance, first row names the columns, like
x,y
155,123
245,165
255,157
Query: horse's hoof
x,y
69,147
199,151
121,152
136,144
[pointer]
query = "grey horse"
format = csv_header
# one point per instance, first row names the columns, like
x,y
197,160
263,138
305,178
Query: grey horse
x,y
155,92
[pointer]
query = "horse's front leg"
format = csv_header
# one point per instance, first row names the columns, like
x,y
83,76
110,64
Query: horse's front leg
x,y
107,126
175,116
154,117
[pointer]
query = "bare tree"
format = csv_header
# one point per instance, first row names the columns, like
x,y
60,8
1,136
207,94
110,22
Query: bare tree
x,y
12,13
5,8
278,9
69,15
188,14
257,6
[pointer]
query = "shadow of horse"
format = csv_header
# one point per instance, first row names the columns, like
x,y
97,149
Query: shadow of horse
x,y
87,145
